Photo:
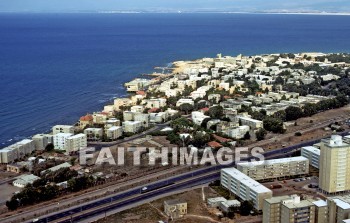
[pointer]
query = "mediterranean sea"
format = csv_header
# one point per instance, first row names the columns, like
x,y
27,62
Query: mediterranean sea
x,y
56,67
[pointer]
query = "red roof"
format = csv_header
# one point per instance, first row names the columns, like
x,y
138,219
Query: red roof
x,y
205,109
221,139
86,118
259,93
152,110
214,144
227,97
141,93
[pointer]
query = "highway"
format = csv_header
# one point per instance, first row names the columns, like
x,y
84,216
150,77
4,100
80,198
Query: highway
x,y
191,179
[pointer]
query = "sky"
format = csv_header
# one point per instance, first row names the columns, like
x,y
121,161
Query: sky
x,y
176,5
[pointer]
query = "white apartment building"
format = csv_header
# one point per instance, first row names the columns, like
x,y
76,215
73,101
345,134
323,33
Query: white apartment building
x,y
198,117
132,126
137,108
312,154
143,118
237,132
121,102
17,151
99,117
112,122
94,133
76,142
137,84
109,109
252,123
214,97
158,117
184,101
62,129
244,187
128,115
60,140
7,155
155,103
114,132
42,140
270,169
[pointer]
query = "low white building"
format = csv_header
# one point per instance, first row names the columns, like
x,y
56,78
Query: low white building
x,y
226,205
60,140
214,98
155,103
184,101
132,126
143,118
76,142
137,84
122,102
42,140
114,132
215,201
62,129
275,168
109,109
137,108
23,180
99,117
112,122
237,132
198,117
94,133
312,154
252,123
244,187
17,151
158,117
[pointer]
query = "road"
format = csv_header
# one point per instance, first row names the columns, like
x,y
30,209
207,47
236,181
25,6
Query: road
x,y
197,177
292,134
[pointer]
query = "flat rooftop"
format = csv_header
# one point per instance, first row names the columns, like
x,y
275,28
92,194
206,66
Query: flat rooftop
x,y
301,204
273,161
312,149
320,203
245,180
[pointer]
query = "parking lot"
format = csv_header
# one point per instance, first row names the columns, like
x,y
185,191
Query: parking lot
x,y
304,185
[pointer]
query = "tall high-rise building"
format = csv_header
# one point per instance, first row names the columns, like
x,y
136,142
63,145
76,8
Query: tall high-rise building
x,y
288,209
334,165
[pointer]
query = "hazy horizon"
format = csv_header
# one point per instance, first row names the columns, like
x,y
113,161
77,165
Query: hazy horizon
x,y
172,6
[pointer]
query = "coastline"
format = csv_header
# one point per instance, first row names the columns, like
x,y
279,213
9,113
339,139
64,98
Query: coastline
x,y
176,67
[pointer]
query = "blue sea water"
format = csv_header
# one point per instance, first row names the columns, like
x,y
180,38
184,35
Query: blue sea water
x,y
56,67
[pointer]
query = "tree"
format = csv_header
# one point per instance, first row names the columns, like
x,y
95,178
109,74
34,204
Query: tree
x,y
180,123
12,204
246,208
186,108
309,109
247,136
216,112
260,134
274,125
293,113
49,147
200,139
279,80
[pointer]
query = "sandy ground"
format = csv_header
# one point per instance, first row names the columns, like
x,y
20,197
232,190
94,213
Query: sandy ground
x,y
153,212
